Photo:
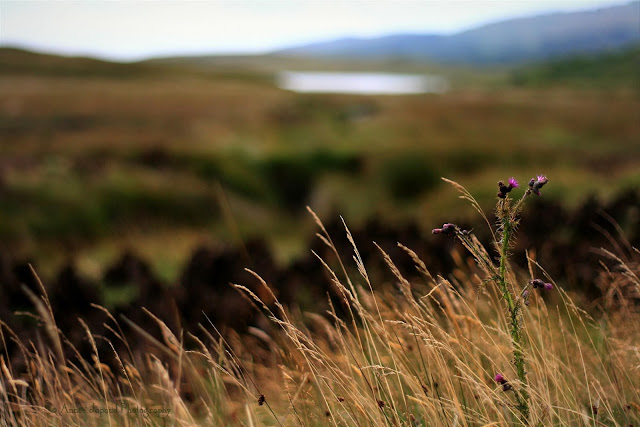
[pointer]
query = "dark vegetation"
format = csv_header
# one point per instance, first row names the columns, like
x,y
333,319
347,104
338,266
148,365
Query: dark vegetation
x,y
613,69
565,241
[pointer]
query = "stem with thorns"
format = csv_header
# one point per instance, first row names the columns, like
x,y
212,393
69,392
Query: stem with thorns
x,y
522,395
507,215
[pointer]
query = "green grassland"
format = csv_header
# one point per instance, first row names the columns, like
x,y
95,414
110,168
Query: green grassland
x,y
161,155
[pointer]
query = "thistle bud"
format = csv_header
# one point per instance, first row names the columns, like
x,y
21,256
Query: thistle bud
x,y
537,283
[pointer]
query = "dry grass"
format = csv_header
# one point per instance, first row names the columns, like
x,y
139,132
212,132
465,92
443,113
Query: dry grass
x,y
420,353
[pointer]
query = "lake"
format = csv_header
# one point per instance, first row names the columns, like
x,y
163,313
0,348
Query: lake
x,y
361,83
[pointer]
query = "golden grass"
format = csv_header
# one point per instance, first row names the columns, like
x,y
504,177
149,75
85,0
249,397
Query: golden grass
x,y
409,353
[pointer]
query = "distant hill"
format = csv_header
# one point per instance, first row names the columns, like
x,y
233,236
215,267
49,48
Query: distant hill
x,y
517,40
19,61
24,62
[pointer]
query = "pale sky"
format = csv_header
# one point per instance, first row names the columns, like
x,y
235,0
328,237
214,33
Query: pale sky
x,y
135,29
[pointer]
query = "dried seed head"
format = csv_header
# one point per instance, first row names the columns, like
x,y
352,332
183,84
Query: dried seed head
x,y
447,229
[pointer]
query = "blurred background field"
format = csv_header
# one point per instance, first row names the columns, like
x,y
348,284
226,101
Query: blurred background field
x,y
159,157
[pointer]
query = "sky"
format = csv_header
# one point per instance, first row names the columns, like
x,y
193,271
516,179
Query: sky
x,y
135,29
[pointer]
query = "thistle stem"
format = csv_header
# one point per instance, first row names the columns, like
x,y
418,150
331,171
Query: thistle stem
x,y
522,395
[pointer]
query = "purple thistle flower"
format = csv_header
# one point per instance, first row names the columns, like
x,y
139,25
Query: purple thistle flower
x,y
548,286
504,189
535,184
500,379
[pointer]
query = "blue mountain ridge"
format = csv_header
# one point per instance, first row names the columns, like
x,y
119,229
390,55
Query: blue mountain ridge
x,y
515,40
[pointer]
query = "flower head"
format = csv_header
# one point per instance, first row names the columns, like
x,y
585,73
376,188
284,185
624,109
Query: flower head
x,y
504,189
500,379
535,184
548,286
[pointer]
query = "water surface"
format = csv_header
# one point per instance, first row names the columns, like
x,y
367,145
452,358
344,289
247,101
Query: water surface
x,y
361,83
